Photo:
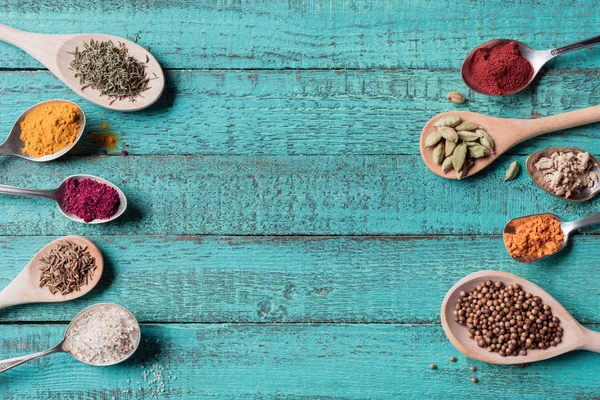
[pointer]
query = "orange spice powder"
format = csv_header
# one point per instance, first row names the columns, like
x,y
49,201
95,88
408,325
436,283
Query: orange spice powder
x,y
539,236
103,139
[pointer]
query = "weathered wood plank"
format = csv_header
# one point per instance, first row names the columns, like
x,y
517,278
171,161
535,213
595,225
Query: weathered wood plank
x,y
327,34
300,279
303,112
314,195
288,361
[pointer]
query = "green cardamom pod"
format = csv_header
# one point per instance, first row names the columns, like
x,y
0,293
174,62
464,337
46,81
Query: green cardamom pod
x,y
450,120
438,153
468,136
486,140
467,126
459,156
449,147
477,152
448,133
456,97
447,165
461,174
473,144
511,172
433,139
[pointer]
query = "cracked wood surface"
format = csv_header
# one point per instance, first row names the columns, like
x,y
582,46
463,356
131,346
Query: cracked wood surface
x,y
284,239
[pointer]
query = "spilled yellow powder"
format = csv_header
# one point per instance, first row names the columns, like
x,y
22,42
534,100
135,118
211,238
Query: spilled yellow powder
x,y
104,140
49,128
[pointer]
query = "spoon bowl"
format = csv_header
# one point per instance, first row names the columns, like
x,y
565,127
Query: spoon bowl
x,y
13,144
25,288
537,176
98,307
505,132
566,227
575,336
58,195
55,52
537,59
63,346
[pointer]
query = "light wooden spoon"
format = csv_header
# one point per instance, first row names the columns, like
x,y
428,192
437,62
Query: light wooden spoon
x,y
506,133
54,52
25,288
575,336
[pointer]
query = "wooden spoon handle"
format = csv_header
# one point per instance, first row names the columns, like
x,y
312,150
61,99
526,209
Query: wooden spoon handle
x,y
42,47
593,341
571,119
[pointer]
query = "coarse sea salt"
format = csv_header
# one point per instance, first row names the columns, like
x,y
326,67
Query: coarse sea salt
x,y
103,336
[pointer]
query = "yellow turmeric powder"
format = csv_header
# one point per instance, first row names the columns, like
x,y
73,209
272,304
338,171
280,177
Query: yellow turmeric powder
x,y
49,128
539,236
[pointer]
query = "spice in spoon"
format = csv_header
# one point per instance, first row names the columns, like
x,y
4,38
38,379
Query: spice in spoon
x,y
89,200
66,268
538,236
507,320
110,69
500,70
49,128
103,335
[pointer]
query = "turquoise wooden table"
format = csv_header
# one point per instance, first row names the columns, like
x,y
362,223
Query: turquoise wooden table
x,y
284,239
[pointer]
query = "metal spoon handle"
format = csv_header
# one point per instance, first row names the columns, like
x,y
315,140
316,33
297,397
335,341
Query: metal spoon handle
x,y
47,194
5,365
575,46
568,227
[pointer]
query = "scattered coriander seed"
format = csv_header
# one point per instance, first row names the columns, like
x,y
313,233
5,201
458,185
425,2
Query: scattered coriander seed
x,y
473,368
432,366
474,380
453,359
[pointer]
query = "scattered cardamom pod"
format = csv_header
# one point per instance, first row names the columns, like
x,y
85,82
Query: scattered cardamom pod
x,y
486,140
438,153
468,136
467,126
449,147
511,172
433,139
477,151
447,165
461,174
448,133
459,156
456,97
450,120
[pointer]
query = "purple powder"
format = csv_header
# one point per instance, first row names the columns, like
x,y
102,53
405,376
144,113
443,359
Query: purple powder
x,y
90,200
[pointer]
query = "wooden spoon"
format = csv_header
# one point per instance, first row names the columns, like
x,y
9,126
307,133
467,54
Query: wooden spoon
x,y
575,337
506,133
54,52
25,288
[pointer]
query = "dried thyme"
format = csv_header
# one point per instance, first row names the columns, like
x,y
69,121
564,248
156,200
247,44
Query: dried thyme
x,y
110,69
66,268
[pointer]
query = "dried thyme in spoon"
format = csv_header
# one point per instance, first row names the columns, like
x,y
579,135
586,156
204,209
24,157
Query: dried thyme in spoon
x,y
110,69
66,268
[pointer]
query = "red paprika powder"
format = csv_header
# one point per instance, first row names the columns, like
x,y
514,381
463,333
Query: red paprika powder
x,y
500,70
